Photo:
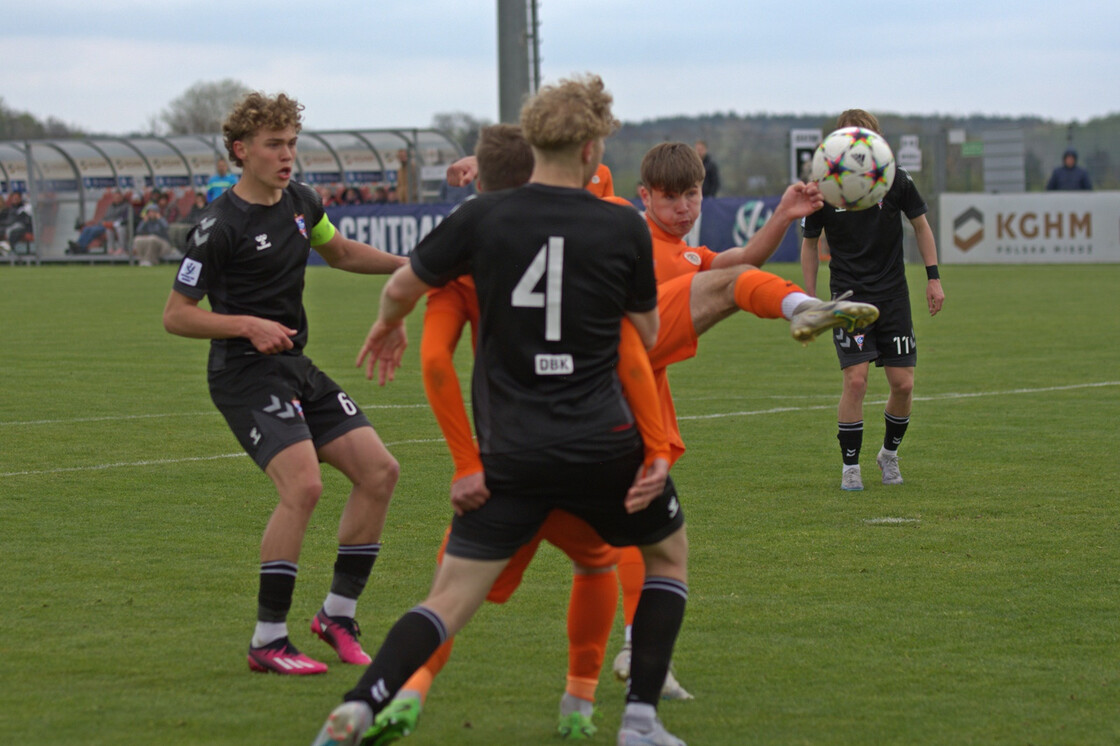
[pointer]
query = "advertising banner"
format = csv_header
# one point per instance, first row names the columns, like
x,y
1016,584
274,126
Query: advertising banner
x,y
1030,228
724,222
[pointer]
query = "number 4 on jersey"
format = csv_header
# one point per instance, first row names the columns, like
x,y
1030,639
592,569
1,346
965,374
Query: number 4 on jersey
x,y
549,264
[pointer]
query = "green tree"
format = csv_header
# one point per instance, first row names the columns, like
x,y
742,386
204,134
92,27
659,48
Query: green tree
x,y
202,108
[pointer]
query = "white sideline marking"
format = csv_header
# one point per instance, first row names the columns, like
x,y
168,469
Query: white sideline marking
x,y
890,521
210,413
746,413
935,397
165,461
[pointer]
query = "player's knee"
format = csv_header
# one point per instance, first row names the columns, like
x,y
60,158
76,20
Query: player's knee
x,y
380,477
303,494
903,387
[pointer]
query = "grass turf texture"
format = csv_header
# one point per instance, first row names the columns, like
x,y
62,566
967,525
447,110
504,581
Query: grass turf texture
x,y
975,604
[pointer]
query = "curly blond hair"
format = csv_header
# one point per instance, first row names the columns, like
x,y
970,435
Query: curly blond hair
x,y
256,112
570,113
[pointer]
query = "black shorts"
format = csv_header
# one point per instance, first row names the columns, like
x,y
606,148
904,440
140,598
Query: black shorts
x,y
889,341
273,401
524,488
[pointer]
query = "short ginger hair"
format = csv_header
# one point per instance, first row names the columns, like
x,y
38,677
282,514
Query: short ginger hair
x,y
256,112
572,112
672,167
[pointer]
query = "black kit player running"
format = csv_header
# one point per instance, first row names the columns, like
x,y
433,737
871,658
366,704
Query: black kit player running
x,y
251,259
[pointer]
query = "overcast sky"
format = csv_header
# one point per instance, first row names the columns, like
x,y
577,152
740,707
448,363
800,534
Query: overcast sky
x,y
113,65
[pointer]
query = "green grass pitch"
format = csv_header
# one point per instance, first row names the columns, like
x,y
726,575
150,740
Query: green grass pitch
x,y
978,603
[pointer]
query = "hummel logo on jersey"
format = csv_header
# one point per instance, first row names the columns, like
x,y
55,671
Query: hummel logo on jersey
x,y
844,340
674,506
282,409
379,691
849,452
189,272
255,436
202,232
263,242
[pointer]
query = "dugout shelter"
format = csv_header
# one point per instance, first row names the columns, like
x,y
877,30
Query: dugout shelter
x,y
69,182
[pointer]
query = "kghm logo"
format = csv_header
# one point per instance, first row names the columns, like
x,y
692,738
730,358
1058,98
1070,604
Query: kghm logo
x,y
968,229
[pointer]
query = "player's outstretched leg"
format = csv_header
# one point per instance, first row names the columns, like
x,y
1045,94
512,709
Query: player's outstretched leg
x,y
815,316
346,725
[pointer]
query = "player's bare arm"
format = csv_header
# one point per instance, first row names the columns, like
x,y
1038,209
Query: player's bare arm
x,y
797,201
354,256
386,342
935,295
183,316
810,263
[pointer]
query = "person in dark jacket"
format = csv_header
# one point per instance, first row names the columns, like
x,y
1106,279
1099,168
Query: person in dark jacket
x,y
1069,176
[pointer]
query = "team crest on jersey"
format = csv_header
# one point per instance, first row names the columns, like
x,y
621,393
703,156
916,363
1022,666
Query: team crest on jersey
x,y
692,258
302,225
859,340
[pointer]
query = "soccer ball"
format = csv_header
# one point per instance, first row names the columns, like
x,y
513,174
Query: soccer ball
x,y
854,168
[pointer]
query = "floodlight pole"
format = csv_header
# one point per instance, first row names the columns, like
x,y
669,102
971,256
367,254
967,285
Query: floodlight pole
x,y
517,44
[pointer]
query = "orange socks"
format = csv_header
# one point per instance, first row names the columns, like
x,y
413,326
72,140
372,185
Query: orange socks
x,y
590,618
421,681
761,293
631,576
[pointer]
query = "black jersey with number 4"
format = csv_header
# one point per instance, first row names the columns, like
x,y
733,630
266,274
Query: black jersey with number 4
x,y
866,245
251,259
555,270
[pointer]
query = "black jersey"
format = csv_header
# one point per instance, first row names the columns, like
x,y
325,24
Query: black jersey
x,y
251,259
555,270
866,245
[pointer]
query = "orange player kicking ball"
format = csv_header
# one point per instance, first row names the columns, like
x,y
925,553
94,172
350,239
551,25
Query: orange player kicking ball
x,y
698,287
505,160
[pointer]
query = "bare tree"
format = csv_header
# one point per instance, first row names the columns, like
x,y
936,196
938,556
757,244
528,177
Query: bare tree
x,y
202,108
461,127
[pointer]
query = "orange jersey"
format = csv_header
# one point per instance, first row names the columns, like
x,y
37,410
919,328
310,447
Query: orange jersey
x,y
602,183
672,257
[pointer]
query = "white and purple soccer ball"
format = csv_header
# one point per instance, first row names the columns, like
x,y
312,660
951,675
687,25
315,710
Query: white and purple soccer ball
x,y
854,168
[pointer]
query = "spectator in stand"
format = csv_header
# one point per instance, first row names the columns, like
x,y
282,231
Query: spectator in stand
x,y
113,227
711,170
1069,176
179,229
380,195
220,181
167,207
153,240
392,196
351,196
15,222
404,182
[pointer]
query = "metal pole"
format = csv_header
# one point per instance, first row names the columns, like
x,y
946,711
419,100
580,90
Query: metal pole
x,y
513,59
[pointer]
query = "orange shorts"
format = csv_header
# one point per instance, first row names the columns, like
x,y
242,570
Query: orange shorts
x,y
676,337
567,533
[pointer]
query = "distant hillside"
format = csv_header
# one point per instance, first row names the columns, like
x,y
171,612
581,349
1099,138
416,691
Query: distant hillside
x,y
753,150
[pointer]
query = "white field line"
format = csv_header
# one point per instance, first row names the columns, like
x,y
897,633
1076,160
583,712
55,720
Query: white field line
x,y
745,413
